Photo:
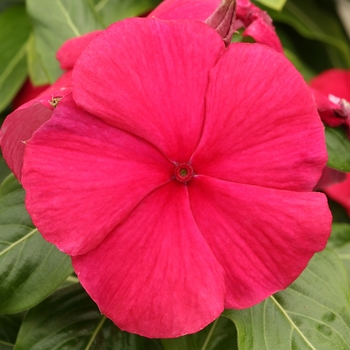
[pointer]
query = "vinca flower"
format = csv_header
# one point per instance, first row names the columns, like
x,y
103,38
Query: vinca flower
x,y
178,175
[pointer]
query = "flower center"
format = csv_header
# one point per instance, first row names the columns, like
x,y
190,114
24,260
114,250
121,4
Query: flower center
x,y
183,172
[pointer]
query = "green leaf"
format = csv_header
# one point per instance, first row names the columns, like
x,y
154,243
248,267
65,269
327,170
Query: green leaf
x,y
339,241
338,148
4,169
221,334
56,21
7,3
9,328
312,313
111,11
315,22
274,4
30,267
69,319
36,70
15,29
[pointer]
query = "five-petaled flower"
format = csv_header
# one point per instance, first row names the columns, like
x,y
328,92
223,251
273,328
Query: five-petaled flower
x,y
178,175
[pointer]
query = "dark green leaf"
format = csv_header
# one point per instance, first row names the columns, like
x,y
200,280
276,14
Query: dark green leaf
x,y
15,29
114,10
338,147
340,243
8,3
219,335
69,319
312,313
4,169
30,267
9,328
313,21
56,21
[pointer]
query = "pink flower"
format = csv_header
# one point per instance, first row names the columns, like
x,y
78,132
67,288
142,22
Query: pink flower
x,y
178,175
26,119
331,90
256,23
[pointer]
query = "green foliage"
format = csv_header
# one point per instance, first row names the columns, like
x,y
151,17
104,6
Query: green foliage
x,y
111,11
220,335
69,319
338,147
30,267
56,21
312,313
273,4
340,243
15,29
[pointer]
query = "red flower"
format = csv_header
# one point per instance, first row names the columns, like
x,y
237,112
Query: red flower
x,y
179,175
331,90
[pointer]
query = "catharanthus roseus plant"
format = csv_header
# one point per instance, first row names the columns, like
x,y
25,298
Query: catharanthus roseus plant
x,y
174,163
146,174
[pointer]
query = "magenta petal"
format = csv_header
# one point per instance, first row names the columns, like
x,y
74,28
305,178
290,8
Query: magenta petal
x,y
258,25
333,81
157,95
70,51
262,127
340,192
82,177
17,129
198,10
262,237
155,275
20,125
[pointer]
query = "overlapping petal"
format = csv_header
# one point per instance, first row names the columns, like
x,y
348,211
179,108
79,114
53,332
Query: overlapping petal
x,y
71,49
242,225
157,95
257,23
155,275
83,177
261,125
20,125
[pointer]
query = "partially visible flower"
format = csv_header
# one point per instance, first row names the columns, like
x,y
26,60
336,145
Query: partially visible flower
x,y
331,91
178,175
340,192
256,23
38,105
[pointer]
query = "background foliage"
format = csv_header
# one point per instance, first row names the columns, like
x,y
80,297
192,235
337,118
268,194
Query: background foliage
x,y
42,305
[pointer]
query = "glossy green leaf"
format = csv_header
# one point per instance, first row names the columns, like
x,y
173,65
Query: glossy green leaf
x,y
273,4
15,29
36,70
111,11
338,148
69,319
54,22
312,313
315,22
339,241
219,335
30,267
